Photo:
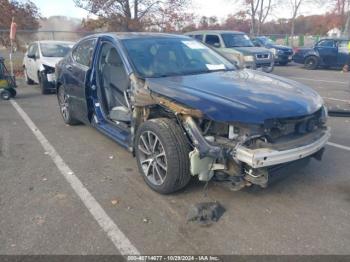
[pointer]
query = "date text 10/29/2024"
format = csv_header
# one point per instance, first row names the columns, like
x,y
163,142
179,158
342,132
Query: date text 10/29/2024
x,y
173,258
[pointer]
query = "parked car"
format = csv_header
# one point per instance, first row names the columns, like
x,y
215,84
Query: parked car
x,y
238,48
40,60
327,53
182,109
283,54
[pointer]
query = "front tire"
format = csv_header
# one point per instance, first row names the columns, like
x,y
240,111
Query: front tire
x,y
65,108
268,69
311,63
162,153
43,84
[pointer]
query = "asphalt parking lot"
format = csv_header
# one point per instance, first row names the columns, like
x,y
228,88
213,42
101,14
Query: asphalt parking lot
x,y
305,211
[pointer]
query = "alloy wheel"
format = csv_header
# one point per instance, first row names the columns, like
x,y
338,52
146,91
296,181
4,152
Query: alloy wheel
x,y
152,158
64,105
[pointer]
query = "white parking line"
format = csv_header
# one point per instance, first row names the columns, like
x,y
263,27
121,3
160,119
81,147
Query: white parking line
x,y
320,80
121,242
336,99
339,146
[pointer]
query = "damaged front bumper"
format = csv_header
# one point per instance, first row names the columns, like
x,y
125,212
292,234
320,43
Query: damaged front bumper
x,y
245,162
263,157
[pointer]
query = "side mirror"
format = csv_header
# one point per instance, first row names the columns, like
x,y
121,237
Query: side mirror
x,y
217,45
31,56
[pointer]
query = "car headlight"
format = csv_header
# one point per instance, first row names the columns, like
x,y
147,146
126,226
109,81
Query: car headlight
x,y
49,69
249,58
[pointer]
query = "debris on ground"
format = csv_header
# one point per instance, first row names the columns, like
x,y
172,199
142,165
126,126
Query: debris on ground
x,y
115,202
146,220
111,157
205,214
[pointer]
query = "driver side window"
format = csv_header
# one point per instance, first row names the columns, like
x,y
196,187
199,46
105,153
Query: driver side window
x,y
33,50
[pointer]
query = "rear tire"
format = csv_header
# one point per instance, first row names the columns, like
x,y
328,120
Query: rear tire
x,y
162,151
311,63
65,108
5,94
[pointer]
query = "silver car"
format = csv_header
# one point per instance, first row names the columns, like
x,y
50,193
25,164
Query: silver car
x,y
238,48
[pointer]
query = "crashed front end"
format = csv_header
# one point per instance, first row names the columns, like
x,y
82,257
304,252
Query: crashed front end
x,y
243,154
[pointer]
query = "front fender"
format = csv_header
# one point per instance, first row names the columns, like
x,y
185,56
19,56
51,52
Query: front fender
x,y
312,53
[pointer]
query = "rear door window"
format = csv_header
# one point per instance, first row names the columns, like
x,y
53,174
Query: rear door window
x,y
83,52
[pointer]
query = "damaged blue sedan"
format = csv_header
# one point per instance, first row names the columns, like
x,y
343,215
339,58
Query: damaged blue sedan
x,y
184,110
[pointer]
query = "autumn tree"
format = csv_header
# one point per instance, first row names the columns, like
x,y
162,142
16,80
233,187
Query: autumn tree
x,y
25,13
134,15
258,11
238,22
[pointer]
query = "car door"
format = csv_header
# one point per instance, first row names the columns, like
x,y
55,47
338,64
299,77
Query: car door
x,y
328,51
77,77
343,52
36,63
30,63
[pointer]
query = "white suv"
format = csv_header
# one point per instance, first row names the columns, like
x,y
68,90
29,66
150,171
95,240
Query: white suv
x,y
40,60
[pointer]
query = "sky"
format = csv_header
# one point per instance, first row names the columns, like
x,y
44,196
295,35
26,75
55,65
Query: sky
x,y
219,8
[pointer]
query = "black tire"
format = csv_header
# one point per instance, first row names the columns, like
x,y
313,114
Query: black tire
x,y
43,83
27,79
176,150
65,107
5,94
268,69
311,62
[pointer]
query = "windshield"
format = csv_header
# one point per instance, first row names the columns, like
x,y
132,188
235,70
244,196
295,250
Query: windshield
x,y
160,57
266,41
237,40
55,50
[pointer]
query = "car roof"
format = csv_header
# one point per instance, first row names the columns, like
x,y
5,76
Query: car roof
x,y
54,42
135,35
214,32
336,38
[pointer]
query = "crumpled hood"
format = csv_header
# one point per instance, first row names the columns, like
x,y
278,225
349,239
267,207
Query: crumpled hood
x,y
244,96
50,61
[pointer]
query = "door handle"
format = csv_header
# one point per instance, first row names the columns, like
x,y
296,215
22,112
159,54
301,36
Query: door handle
x,y
69,67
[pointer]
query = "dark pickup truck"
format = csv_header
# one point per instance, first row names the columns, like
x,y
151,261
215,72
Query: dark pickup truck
x,y
326,53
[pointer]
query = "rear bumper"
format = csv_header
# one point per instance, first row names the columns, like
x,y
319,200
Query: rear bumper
x,y
298,59
259,158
